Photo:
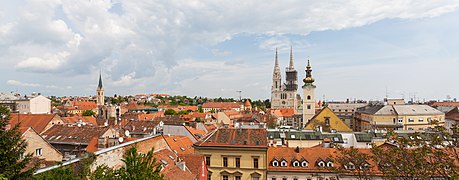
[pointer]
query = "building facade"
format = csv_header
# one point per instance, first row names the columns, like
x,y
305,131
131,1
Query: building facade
x,y
34,105
284,95
309,103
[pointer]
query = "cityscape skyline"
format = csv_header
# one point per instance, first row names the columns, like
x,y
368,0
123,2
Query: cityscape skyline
x,y
402,49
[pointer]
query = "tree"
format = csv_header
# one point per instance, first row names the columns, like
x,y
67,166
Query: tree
x,y
140,166
352,161
169,112
271,121
12,148
89,113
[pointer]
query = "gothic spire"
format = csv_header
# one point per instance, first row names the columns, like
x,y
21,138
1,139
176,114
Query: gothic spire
x,y
100,81
291,67
276,65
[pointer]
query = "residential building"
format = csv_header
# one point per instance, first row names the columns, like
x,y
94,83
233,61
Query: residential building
x,y
326,120
300,138
39,147
451,118
9,100
285,95
345,110
222,106
398,116
34,105
39,122
233,153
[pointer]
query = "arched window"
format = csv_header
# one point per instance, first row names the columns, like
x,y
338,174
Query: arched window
x,y
349,166
321,164
296,163
309,97
304,164
275,163
330,164
284,163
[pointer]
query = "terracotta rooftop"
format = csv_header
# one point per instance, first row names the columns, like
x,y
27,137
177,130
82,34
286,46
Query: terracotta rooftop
x,y
180,144
77,119
235,137
198,134
194,162
221,105
247,103
170,171
72,134
85,105
435,104
171,120
36,121
141,127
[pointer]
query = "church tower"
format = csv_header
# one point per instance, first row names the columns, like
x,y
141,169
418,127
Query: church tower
x,y
276,88
309,104
291,85
100,92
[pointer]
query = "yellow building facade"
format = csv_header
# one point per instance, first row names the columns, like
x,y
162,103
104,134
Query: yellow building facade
x,y
326,120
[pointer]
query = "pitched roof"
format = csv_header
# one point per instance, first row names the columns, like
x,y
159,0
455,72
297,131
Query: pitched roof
x,y
198,134
85,105
77,119
141,127
194,162
235,137
416,110
36,121
221,105
180,144
170,170
334,121
435,104
72,133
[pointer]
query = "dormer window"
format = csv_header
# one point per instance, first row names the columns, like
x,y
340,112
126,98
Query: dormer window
x,y
330,164
304,164
349,166
275,163
296,163
284,163
321,164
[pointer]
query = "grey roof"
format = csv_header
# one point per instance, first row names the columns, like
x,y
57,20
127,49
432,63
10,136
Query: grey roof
x,y
304,135
445,109
416,110
7,96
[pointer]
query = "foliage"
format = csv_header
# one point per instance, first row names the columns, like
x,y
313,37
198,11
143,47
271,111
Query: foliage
x,y
169,112
200,109
64,173
12,148
89,113
140,166
271,121
103,172
78,170
352,162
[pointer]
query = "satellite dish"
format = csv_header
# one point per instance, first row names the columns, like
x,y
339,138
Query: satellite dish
x,y
105,124
121,139
126,133
79,125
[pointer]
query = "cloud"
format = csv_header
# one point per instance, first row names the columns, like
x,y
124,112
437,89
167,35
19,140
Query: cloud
x,y
134,41
18,83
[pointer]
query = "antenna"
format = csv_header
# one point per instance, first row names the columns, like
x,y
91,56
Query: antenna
x,y
240,97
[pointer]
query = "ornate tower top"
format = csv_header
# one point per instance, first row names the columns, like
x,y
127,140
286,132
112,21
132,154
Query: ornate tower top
x,y
100,82
277,72
308,79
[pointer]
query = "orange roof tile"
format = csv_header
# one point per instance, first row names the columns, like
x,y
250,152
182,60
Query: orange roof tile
x,y
196,164
170,170
77,119
36,121
85,105
222,105
92,145
198,134
235,137
435,104
180,144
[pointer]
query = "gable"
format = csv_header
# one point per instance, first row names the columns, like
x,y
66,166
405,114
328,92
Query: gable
x,y
334,121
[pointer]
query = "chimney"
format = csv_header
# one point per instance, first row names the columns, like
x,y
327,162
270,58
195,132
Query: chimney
x,y
326,143
297,149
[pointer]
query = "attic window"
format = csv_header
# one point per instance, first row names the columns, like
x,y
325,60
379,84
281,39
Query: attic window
x,y
335,139
284,163
171,157
164,162
321,164
275,163
304,164
245,142
181,148
175,140
296,163
330,164
349,166
292,136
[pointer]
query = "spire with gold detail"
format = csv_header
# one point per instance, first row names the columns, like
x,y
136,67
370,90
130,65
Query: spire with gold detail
x,y
308,79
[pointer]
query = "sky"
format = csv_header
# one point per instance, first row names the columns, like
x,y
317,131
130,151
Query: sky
x,y
358,49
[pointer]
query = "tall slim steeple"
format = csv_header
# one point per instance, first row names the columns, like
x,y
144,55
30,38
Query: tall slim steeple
x,y
100,99
276,75
291,66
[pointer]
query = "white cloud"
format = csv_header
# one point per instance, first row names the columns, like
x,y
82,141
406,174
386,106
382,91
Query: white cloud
x,y
18,83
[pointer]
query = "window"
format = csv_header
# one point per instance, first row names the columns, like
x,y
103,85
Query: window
x,y
284,163
225,177
410,129
420,120
327,121
284,178
275,163
296,164
304,164
238,162
255,178
429,119
38,152
208,160
350,166
273,178
295,178
225,161
309,97
329,164
309,106
209,175
410,120
400,120
255,163
237,178
321,164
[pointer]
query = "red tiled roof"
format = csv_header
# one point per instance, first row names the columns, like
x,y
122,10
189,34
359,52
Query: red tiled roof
x,y
236,137
36,121
85,105
247,103
435,104
170,170
72,134
151,116
196,133
180,144
222,105
141,127
196,164
92,146
77,119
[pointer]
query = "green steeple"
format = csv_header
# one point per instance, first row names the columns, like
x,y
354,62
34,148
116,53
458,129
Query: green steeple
x,y
100,82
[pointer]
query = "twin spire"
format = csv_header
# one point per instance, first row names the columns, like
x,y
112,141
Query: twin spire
x,y
290,66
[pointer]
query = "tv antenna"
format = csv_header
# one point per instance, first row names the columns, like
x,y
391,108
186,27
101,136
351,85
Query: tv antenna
x,y
240,97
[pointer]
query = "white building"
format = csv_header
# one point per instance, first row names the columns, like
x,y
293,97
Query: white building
x,y
34,105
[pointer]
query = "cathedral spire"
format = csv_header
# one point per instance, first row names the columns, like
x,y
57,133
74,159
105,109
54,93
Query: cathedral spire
x,y
291,66
276,65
